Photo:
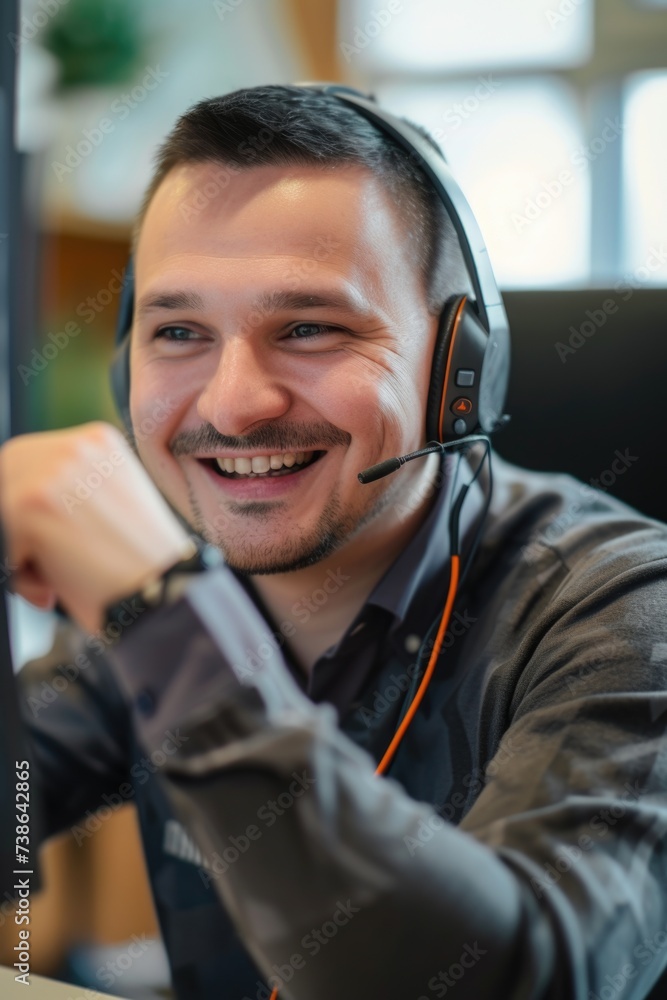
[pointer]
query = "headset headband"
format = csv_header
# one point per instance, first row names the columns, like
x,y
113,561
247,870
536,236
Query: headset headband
x,y
472,345
488,302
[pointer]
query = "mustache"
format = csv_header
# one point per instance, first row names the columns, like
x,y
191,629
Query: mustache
x,y
272,438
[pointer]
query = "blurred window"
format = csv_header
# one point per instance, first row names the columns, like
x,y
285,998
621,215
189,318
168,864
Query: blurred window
x,y
644,173
560,146
418,36
517,146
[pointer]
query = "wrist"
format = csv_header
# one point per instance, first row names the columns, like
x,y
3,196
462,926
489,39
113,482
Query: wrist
x,y
159,591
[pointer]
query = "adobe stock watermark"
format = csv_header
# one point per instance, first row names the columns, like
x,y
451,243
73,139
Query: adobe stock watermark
x,y
31,26
567,856
461,111
645,952
224,7
93,819
83,487
114,968
297,274
312,943
119,110
420,494
631,281
49,691
444,980
605,648
596,318
564,10
364,34
399,683
267,815
143,430
98,642
302,610
622,461
88,310
191,207
580,158
474,781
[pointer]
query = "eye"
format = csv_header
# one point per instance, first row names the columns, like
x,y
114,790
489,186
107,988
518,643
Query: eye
x,y
308,331
176,334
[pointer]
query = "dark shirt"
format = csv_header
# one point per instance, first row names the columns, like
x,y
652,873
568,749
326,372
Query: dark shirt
x,y
402,607
518,843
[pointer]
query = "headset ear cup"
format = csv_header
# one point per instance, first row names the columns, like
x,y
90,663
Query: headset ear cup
x,y
119,374
494,380
437,387
119,371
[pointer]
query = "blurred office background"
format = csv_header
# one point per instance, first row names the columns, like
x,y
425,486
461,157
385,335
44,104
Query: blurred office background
x,y
553,115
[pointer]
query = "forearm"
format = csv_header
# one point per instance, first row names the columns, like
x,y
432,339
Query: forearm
x,y
308,849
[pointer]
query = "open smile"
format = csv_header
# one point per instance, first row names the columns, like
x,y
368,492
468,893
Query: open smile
x,y
263,466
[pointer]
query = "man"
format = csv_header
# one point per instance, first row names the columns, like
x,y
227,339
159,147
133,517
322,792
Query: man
x,y
291,266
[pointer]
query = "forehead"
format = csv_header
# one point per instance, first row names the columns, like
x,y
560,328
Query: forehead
x,y
306,219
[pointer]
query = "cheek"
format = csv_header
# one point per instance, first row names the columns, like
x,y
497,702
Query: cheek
x,y
374,395
156,408
400,399
358,397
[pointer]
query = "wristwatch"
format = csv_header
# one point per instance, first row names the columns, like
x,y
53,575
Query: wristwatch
x,y
158,592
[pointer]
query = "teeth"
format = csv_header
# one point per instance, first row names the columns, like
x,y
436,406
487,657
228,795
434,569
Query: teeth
x,y
260,464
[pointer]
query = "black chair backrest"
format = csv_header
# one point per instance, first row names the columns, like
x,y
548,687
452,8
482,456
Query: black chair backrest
x,y
587,386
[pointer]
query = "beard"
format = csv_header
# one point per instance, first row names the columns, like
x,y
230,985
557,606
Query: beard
x,y
334,528
292,549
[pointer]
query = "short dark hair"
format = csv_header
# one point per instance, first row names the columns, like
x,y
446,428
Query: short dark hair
x,y
274,125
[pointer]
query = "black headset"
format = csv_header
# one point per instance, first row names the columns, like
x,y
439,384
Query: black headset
x,y
471,359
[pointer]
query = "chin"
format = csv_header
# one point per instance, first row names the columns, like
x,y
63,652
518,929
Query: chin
x,y
254,560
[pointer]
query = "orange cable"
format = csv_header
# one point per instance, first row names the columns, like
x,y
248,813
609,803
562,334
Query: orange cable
x,y
428,673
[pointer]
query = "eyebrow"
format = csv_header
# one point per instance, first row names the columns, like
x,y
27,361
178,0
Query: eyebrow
x,y
268,302
290,299
170,300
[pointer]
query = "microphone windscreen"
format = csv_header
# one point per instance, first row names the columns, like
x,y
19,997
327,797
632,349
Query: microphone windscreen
x,y
379,471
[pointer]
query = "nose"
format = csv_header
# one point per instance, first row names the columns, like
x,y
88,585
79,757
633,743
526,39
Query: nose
x,y
242,390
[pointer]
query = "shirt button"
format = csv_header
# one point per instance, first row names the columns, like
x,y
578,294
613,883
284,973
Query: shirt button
x,y
412,643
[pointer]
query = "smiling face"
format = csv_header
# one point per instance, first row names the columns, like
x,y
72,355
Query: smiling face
x,y
286,326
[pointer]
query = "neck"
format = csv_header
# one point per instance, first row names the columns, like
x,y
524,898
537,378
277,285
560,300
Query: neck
x,y
322,600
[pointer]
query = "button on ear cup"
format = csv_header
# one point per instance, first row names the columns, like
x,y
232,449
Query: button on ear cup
x,y
441,354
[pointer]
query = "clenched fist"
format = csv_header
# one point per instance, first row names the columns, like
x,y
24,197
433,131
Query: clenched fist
x,y
83,523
